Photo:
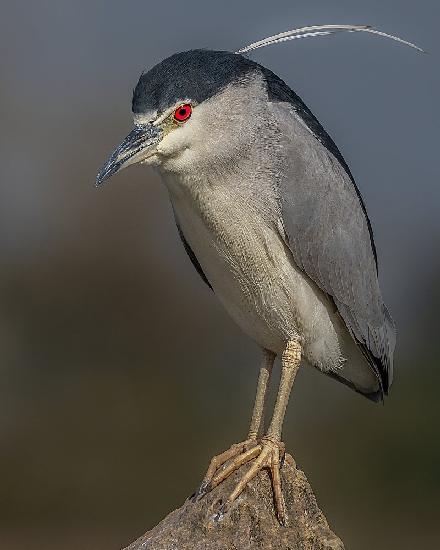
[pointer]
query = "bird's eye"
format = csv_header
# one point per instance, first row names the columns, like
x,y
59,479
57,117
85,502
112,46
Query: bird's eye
x,y
182,113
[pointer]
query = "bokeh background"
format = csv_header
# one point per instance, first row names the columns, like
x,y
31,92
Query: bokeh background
x,y
120,374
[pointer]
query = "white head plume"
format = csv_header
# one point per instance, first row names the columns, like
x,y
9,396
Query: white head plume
x,y
320,30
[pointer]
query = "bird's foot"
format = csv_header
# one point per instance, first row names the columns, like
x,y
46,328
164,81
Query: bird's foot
x,y
238,449
266,453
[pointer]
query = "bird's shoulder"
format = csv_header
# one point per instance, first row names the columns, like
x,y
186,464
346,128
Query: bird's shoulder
x,y
292,110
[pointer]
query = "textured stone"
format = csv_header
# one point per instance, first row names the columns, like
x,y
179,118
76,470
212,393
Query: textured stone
x,y
251,522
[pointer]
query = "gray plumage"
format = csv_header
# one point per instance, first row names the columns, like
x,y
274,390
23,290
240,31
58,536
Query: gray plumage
x,y
269,213
328,232
271,218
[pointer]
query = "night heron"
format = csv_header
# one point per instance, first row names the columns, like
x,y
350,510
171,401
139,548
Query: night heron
x,y
271,218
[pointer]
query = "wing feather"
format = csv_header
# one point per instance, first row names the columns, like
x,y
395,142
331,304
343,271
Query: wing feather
x,y
329,234
192,256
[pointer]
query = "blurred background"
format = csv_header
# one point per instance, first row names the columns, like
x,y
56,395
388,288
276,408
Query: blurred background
x,y
120,374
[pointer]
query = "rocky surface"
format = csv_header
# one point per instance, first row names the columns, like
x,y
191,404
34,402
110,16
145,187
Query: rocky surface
x,y
250,524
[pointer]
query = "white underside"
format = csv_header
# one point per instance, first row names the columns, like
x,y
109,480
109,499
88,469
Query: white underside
x,y
253,274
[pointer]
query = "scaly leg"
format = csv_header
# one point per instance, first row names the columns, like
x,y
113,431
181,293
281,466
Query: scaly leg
x,y
267,453
261,396
254,429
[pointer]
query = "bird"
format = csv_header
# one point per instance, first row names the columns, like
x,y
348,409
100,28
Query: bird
x,y
270,216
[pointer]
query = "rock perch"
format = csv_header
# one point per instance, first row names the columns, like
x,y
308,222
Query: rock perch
x,y
251,523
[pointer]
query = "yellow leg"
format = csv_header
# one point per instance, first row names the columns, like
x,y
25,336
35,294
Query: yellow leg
x,y
210,481
290,362
261,395
267,453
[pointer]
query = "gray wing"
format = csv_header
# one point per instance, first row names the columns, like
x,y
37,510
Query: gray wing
x,y
328,231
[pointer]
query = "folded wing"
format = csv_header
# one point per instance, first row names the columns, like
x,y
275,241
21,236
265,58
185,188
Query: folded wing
x,y
328,232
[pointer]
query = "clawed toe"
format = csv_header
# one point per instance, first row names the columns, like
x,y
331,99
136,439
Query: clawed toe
x,y
201,491
221,512
216,464
266,454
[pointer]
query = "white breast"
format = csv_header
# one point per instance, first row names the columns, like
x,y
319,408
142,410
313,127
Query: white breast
x,y
253,274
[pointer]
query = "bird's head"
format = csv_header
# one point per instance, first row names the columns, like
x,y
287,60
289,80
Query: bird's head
x,y
205,107
194,108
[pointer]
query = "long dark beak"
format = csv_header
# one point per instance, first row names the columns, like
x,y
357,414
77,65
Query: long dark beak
x,y
140,143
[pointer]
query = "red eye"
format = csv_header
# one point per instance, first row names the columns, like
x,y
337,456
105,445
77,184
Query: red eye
x,y
182,113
